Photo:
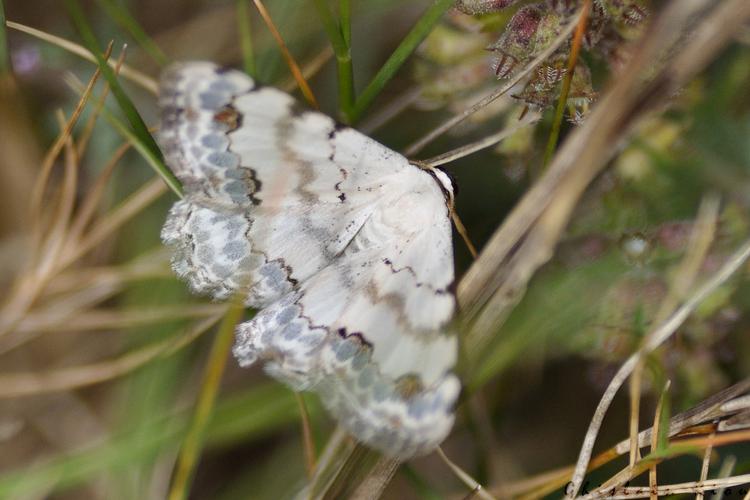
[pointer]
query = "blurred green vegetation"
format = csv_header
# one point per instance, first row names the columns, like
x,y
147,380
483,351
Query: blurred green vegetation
x,y
582,315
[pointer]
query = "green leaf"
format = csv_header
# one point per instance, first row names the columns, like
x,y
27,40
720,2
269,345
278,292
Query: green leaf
x,y
246,38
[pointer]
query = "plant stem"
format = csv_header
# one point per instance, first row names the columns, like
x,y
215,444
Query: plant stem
x,y
412,40
340,37
246,38
560,110
5,65
345,13
193,442
287,55
126,105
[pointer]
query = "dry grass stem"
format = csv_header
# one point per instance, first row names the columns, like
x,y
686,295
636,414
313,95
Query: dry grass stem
x,y
711,409
378,118
376,481
310,69
135,76
724,472
92,200
308,443
489,141
88,129
672,489
652,341
288,58
652,478
49,159
14,385
109,223
475,487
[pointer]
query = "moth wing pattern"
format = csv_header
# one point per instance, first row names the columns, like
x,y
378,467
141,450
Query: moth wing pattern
x,y
342,245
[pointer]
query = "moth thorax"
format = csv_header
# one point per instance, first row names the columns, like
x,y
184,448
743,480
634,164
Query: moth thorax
x,y
402,212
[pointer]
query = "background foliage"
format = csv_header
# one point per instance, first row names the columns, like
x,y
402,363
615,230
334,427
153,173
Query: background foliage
x,y
102,351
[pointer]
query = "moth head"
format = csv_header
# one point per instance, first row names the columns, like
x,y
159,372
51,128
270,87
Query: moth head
x,y
446,183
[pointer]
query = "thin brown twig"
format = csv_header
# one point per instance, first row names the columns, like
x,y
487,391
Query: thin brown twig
x,y
293,66
465,478
116,319
88,128
310,68
90,203
709,410
625,493
679,447
481,144
109,223
308,444
37,192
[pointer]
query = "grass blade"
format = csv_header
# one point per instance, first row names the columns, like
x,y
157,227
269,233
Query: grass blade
x,y
193,443
345,13
246,37
567,79
122,17
136,122
418,33
291,63
154,158
340,37
5,65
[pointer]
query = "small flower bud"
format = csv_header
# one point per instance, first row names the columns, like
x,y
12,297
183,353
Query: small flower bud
x,y
529,32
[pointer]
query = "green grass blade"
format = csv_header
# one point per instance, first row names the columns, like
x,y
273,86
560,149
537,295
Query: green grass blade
x,y
194,439
156,161
246,38
340,36
87,34
5,66
122,17
554,135
412,40
665,414
345,13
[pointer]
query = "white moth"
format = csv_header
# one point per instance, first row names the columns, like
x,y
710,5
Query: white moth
x,y
342,245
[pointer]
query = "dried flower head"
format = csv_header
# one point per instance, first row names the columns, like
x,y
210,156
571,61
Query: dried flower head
x,y
529,32
628,12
